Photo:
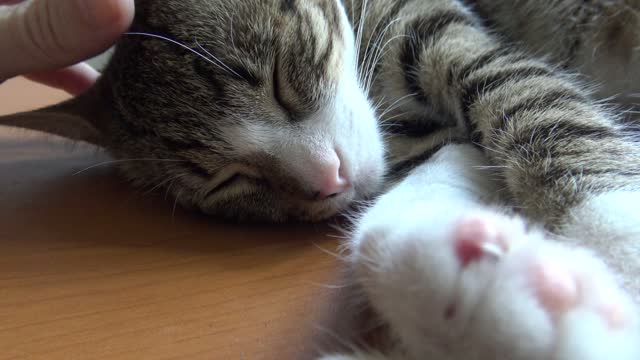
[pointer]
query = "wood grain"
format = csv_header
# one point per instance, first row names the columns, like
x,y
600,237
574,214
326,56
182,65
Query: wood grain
x,y
93,269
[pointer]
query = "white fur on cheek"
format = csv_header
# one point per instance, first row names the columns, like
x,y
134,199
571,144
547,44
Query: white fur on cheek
x,y
345,126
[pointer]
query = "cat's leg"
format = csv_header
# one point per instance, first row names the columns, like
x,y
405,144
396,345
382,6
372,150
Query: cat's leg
x,y
566,162
563,160
598,38
456,280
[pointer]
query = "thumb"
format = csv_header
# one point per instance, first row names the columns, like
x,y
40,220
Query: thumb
x,y
38,35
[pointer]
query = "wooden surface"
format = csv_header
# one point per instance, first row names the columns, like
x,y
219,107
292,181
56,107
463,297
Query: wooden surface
x,y
93,269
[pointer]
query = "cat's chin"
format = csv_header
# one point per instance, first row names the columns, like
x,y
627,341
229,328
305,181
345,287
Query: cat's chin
x,y
318,211
276,210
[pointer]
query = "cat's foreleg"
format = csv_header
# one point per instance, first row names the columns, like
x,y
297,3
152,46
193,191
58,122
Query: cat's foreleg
x,y
457,280
600,39
561,156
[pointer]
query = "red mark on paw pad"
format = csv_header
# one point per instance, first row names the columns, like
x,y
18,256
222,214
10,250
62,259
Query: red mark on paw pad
x,y
474,241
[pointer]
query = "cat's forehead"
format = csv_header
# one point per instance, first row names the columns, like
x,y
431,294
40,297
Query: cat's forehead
x,y
306,34
254,57
220,17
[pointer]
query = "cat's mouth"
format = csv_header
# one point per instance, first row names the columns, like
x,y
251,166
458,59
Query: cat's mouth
x,y
323,209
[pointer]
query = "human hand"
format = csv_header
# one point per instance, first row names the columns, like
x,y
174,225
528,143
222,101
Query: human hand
x,y
43,39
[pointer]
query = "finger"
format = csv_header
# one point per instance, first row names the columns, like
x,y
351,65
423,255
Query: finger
x,y
38,35
74,79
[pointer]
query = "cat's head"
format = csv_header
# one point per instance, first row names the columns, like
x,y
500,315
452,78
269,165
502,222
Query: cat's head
x,y
245,109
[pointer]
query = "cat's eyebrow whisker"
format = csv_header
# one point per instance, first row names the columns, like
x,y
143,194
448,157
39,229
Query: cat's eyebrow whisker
x,y
396,104
380,53
378,104
219,64
360,32
373,53
387,120
367,51
122,161
222,64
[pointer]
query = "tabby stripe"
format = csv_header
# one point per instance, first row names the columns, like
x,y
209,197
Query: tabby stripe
x,y
551,176
562,127
478,64
288,6
307,39
563,130
303,54
403,168
331,13
487,20
542,103
323,59
423,33
413,129
486,84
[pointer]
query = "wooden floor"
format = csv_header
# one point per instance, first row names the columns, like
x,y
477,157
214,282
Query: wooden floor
x,y
93,269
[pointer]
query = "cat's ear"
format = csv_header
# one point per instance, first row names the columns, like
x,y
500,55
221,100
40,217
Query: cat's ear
x,y
73,119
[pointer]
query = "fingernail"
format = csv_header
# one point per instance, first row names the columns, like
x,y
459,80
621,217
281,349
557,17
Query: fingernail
x,y
99,12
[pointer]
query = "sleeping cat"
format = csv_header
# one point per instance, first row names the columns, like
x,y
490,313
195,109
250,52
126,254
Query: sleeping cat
x,y
438,112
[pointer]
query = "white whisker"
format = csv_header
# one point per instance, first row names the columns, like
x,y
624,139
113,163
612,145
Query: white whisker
x,y
395,105
220,64
121,161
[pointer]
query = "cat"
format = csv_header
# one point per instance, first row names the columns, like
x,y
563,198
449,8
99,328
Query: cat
x,y
495,175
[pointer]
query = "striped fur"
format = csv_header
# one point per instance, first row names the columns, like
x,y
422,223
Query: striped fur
x,y
458,80
238,105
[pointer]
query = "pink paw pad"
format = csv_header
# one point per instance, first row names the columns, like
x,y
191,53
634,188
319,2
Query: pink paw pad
x,y
477,239
558,291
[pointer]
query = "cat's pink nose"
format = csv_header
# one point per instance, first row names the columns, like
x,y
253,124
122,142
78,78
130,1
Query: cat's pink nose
x,y
329,179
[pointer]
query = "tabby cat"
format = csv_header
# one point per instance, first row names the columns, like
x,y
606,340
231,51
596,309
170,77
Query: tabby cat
x,y
455,120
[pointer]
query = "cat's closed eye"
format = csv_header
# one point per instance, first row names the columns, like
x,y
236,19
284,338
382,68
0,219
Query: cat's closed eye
x,y
233,175
284,103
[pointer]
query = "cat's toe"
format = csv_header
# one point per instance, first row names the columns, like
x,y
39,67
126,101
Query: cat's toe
x,y
551,301
475,239
482,280
592,318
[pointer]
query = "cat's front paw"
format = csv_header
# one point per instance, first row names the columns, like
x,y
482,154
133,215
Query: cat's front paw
x,y
478,285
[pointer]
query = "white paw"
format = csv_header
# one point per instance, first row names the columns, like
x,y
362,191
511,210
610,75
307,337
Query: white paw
x,y
474,284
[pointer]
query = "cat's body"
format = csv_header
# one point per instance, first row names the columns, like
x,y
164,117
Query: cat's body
x,y
272,120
